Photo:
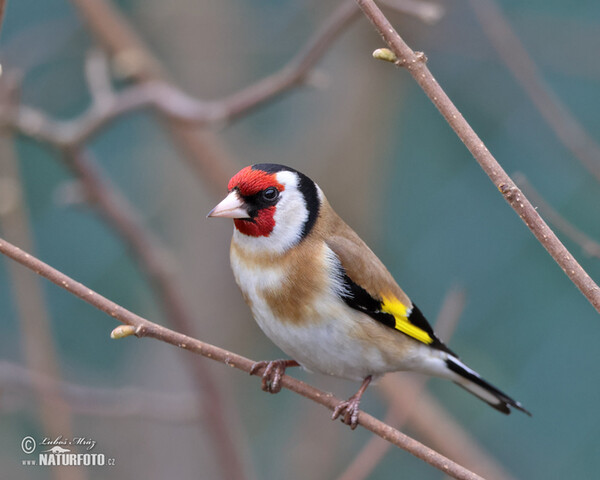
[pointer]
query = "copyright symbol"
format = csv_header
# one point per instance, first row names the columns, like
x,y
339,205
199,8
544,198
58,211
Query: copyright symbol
x,y
28,445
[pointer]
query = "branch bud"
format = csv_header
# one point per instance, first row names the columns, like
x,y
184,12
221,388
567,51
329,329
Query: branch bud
x,y
385,54
122,331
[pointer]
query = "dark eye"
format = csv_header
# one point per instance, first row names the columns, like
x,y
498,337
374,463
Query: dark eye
x,y
270,194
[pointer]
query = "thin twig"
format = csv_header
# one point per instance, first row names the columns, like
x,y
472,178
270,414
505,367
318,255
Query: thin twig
x,y
415,64
588,244
552,109
145,328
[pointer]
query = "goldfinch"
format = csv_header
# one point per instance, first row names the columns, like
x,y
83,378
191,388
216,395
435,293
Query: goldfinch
x,y
323,297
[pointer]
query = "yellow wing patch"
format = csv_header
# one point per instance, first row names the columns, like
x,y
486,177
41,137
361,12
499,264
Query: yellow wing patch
x,y
395,307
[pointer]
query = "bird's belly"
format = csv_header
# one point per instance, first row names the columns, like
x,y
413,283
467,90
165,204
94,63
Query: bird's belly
x,y
326,350
329,343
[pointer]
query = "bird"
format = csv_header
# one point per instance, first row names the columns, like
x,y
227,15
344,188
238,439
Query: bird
x,y
323,297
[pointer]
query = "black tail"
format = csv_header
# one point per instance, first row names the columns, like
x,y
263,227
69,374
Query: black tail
x,y
473,383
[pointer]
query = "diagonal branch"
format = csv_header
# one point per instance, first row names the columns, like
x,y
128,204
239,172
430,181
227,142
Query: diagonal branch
x,y
415,64
145,328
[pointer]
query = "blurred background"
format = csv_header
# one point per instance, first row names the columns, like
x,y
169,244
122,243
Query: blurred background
x,y
390,166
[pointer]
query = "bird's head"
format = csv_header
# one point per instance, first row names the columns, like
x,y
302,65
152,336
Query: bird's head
x,y
273,206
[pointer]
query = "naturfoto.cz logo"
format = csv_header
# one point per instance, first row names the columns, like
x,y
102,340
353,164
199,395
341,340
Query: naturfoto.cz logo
x,y
59,451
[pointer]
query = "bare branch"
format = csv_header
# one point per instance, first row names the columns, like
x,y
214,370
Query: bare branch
x,y
415,64
145,328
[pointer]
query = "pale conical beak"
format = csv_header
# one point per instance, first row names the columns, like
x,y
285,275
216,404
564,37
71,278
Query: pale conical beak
x,y
232,206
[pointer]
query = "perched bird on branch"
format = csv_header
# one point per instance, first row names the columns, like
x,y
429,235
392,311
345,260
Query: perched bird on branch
x,y
323,297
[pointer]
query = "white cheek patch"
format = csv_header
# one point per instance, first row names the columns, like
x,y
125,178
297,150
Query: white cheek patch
x,y
290,216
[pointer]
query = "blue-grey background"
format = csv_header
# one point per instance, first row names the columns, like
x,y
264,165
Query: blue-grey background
x,y
391,167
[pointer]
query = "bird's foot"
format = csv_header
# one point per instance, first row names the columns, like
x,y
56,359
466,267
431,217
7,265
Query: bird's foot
x,y
348,410
273,371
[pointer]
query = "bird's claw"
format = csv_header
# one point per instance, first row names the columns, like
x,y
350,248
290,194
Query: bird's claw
x,y
273,371
348,411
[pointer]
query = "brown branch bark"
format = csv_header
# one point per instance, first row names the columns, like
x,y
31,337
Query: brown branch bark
x,y
145,328
415,64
